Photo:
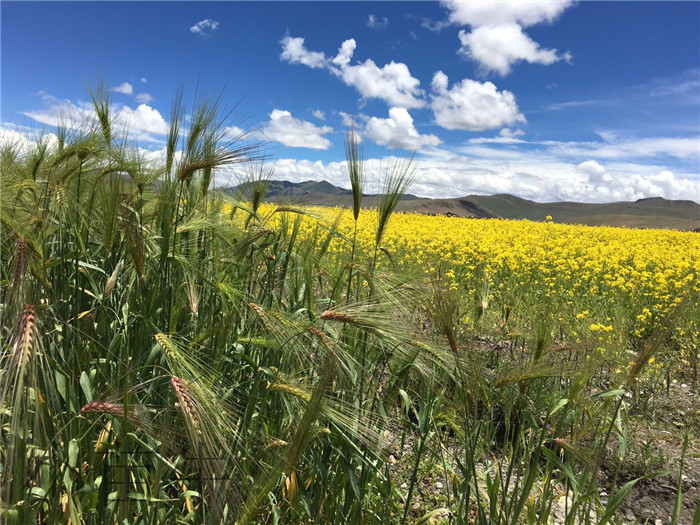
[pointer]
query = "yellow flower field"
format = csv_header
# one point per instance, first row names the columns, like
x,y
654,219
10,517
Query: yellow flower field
x,y
601,286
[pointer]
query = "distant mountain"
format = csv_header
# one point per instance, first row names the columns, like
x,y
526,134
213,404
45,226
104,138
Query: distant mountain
x,y
645,213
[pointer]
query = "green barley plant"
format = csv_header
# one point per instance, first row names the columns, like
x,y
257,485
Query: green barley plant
x,y
174,354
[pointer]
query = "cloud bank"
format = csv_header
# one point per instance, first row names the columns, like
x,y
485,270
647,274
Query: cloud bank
x,y
293,132
497,40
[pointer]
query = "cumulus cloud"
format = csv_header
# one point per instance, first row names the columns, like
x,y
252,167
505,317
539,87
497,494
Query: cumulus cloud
x,y
472,105
23,139
124,89
294,52
205,28
594,170
392,83
63,112
447,174
497,48
293,132
144,119
497,40
235,133
320,115
479,13
398,131
144,98
543,171
511,133
350,121
377,23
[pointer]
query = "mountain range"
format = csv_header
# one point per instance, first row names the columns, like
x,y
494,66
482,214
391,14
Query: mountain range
x,y
654,212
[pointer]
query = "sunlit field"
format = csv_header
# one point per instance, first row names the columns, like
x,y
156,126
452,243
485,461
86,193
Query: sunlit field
x,y
173,354
600,288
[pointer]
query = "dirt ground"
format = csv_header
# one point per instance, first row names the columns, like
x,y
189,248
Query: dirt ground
x,y
658,431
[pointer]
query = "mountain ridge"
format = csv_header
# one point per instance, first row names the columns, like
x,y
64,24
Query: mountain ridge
x,y
650,212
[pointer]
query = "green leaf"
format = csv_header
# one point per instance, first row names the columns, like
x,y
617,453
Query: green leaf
x,y
91,266
73,449
86,385
609,393
561,404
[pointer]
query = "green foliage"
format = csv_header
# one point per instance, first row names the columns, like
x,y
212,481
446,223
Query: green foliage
x,y
174,355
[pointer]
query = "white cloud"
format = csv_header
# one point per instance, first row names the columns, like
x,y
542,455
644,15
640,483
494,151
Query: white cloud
x,y
205,28
510,133
377,23
124,89
497,48
446,174
320,115
398,131
63,112
23,139
144,98
497,40
293,132
685,148
497,140
545,174
594,170
479,13
294,52
577,103
472,105
352,120
144,120
144,80
392,83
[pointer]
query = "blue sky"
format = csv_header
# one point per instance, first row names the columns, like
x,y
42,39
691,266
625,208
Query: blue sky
x,y
558,100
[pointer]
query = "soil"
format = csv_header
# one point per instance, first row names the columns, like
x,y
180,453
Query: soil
x,y
658,423
660,429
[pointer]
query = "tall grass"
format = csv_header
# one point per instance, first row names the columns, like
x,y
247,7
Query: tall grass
x,y
172,354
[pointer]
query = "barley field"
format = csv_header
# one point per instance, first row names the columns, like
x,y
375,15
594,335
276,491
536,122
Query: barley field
x,y
171,354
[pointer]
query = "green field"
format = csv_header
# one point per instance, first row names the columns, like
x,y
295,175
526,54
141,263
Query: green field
x,y
172,354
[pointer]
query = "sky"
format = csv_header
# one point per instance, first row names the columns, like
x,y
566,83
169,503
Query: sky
x,y
549,100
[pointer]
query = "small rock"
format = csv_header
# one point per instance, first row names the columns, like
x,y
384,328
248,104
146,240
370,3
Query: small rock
x,y
392,459
404,486
439,485
629,515
658,522
683,385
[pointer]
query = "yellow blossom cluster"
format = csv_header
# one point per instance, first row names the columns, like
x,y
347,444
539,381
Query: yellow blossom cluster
x,y
602,284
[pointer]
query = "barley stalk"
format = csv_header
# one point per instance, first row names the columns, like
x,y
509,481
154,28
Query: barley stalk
x,y
186,402
21,259
167,345
27,335
332,315
278,386
104,407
